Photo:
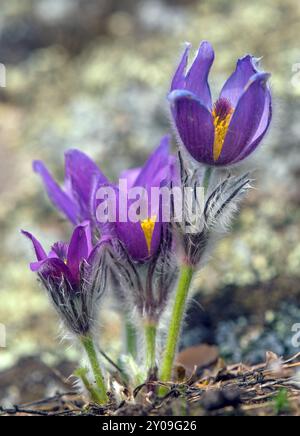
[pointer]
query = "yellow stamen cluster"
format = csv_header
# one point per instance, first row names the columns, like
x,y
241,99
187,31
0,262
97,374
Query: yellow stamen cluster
x,y
148,226
221,126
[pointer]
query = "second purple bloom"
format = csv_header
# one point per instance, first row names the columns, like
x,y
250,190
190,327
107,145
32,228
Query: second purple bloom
x,y
229,130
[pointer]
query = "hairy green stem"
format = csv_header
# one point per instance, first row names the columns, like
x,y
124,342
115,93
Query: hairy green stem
x,y
131,337
90,350
185,279
150,339
82,374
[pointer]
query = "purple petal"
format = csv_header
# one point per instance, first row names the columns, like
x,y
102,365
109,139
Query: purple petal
x,y
96,251
58,197
54,269
245,119
133,238
195,125
80,248
107,227
131,176
60,250
235,85
178,81
153,171
261,131
39,251
197,77
81,173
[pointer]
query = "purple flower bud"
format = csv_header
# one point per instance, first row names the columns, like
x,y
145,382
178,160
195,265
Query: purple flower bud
x,y
74,276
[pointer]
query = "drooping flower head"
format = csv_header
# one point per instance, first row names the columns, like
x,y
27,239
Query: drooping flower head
x,y
229,130
74,276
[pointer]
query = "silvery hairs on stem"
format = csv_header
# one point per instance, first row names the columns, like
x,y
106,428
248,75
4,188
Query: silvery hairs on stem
x,y
197,234
145,287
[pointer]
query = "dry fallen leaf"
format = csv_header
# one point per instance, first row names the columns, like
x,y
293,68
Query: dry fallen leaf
x,y
200,356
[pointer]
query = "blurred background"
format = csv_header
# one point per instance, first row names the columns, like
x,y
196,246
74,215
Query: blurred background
x,y
94,75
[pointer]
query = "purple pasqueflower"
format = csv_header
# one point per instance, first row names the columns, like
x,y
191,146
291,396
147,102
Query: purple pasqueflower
x,y
228,131
142,239
74,276
141,256
74,198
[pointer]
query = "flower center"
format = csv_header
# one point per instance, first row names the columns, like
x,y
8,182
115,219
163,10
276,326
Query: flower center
x,y
222,113
148,226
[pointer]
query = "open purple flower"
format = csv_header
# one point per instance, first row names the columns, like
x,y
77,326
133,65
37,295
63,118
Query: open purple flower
x,y
142,239
142,258
74,198
74,276
228,131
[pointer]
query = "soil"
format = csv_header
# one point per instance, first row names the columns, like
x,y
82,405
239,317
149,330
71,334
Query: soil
x,y
272,388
